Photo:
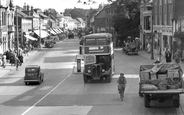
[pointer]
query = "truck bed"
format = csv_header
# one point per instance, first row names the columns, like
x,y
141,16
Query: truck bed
x,y
168,91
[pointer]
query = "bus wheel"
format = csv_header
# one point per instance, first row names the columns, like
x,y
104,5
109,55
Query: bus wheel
x,y
85,78
108,78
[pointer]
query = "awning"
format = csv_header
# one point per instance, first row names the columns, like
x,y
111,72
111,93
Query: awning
x,y
52,32
30,37
55,30
41,33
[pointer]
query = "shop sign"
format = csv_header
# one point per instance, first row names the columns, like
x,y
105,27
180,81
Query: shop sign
x,y
4,29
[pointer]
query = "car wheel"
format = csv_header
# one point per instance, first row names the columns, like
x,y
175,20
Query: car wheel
x,y
26,83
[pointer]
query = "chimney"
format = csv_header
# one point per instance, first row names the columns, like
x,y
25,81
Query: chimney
x,y
27,7
31,11
24,7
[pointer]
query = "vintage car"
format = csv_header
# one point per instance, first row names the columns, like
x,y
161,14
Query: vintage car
x,y
71,35
130,48
49,43
33,74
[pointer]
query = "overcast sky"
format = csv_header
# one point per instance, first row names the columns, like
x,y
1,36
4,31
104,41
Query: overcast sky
x,y
58,5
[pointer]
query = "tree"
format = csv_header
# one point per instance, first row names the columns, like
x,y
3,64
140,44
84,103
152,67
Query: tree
x,y
51,12
127,20
76,13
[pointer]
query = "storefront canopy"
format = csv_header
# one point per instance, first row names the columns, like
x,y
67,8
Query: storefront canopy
x,y
30,37
52,32
41,33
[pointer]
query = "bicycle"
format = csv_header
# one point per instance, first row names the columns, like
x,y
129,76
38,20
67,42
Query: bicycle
x,y
121,91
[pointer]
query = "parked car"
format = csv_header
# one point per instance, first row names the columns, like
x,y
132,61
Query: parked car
x,y
49,43
70,35
131,48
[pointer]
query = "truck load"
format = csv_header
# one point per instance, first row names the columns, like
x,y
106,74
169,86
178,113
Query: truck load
x,y
161,82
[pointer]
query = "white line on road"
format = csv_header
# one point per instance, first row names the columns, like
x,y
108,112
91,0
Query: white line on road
x,y
45,96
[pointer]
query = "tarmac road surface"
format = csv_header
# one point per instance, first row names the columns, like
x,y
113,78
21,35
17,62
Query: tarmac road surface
x,y
64,92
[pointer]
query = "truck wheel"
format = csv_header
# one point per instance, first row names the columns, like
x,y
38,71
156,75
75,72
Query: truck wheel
x,y
85,78
108,78
176,100
146,100
26,83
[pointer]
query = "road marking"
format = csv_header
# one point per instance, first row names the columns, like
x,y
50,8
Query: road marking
x,y
126,75
45,96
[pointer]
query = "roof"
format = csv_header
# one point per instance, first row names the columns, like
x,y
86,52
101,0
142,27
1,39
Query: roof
x,y
43,15
21,14
98,35
35,66
81,20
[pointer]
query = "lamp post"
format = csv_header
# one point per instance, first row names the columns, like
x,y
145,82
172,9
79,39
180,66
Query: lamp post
x,y
152,37
40,31
17,38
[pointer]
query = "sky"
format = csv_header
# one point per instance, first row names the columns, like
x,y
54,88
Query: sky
x,y
58,5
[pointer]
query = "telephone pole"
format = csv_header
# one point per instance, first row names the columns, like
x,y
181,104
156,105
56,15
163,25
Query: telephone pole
x,y
17,39
152,37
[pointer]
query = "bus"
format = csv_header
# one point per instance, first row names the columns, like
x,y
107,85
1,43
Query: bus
x,y
98,53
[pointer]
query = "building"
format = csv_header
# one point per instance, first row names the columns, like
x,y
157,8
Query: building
x,y
81,23
6,34
162,20
99,21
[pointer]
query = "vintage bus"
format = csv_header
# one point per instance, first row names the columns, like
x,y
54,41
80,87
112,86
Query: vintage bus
x,y
98,53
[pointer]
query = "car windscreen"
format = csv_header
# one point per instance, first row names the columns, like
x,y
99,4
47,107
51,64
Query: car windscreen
x,y
31,70
90,59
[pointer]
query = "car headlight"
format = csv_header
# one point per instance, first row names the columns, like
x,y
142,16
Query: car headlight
x,y
89,71
103,70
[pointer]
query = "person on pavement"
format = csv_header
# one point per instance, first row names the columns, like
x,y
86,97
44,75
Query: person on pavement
x,y
121,85
167,56
177,56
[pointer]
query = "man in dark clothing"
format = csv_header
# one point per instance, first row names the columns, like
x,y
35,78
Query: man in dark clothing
x,y
167,56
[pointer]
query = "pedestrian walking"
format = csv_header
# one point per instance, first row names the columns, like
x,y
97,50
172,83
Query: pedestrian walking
x,y
177,56
4,60
167,56
121,85
148,48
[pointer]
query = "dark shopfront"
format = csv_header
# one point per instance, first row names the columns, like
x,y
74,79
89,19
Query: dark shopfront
x,y
146,40
178,43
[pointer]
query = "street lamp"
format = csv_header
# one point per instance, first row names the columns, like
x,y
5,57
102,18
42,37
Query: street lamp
x,y
17,37
152,37
40,31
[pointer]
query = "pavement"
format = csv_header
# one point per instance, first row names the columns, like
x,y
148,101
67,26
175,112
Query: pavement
x,y
9,67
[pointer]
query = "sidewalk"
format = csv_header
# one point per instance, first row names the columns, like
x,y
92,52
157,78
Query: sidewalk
x,y
9,67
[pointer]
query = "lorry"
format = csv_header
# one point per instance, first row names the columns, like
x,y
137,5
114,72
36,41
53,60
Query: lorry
x,y
130,48
161,82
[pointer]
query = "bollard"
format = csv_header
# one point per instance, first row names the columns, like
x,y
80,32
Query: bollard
x,y
78,65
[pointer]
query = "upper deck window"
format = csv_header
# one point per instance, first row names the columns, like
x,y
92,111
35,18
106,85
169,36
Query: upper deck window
x,y
98,41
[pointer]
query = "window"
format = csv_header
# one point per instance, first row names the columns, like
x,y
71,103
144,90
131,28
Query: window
x,y
99,41
160,2
165,19
170,18
165,1
169,1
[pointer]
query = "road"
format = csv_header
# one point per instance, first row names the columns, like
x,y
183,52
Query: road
x,y
64,93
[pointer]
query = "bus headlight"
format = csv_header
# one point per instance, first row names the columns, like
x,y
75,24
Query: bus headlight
x,y
103,70
89,71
